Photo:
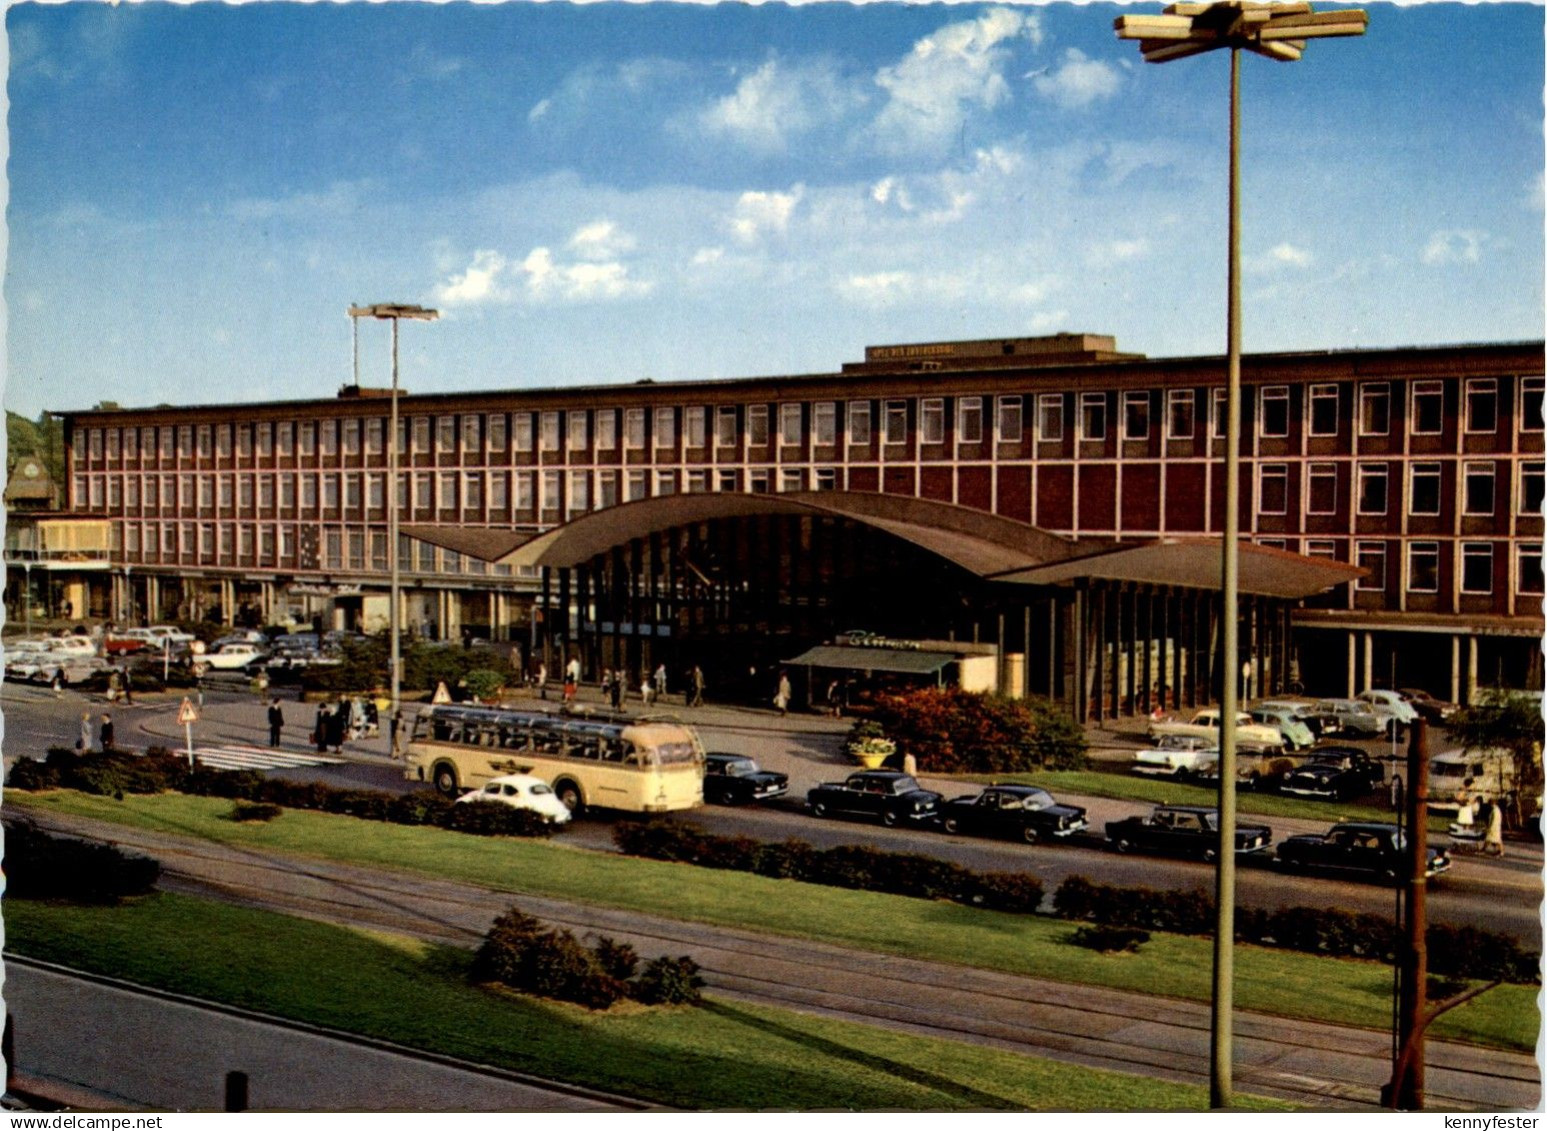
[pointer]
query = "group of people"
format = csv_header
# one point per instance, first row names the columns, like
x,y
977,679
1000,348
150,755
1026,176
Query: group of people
x,y
1480,819
345,720
105,739
615,685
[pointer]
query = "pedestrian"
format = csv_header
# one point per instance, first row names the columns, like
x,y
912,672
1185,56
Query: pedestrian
x,y
645,690
1493,839
660,681
83,742
542,680
572,671
606,685
696,686
128,682
320,731
782,696
393,727
276,721
105,734
834,700
115,685
619,687
198,689
338,727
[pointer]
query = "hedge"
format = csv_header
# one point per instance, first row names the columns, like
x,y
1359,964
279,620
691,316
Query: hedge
x,y
848,866
1458,952
158,770
42,865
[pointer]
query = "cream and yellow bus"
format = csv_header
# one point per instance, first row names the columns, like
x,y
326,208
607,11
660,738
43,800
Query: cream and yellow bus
x,y
646,766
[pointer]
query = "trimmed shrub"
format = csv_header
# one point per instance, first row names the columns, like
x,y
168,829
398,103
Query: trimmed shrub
x,y
518,952
42,865
618,960
254,811
950,731
670,981
1110,940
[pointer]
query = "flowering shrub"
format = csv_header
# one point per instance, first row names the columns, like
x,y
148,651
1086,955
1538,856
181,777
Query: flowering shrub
x,y
950,731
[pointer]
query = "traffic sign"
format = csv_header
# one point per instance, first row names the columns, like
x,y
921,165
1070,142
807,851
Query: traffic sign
x,y
187,713
442,694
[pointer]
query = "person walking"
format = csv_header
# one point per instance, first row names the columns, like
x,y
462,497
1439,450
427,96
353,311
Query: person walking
x,y
645,690
338,727
276,721
83,741
782,696
128,682
619,689
395,725
320,731
696,687
660,681
542,680
105,734
1493,839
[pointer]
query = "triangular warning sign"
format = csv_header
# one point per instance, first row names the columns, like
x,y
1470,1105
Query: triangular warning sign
x,y
186,713
442,694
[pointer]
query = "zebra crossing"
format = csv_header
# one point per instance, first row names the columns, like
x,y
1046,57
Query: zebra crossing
x,y
239,756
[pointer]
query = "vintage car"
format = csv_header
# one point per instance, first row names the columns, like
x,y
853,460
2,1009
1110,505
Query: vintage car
x,y
231,657
889,795
1255,769
1205,725
53,660
735,779
1176,756
521,791
1394,710
1297,733
66,669
1356,719
1337,773
1430,709
1023,812
1368,849
1320,723
1182,830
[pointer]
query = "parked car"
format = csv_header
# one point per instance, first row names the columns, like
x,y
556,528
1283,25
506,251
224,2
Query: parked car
x,y
1023,812
1322,724
161,634
1336,772
126,640
1356,719
231,657
735,779
521,791
1394,711
60,669
1432,710
1254,769
1297,735
1458,775
888,794
1205,724
1182,830
1373,850
1176,756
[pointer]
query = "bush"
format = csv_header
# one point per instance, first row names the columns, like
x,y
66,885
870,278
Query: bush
x,y
670,981
518,952
41,865
618,960
953,731
484,683
254,811
1110,940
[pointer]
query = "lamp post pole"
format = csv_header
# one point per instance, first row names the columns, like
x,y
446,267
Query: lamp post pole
x,y
395,312
1280,32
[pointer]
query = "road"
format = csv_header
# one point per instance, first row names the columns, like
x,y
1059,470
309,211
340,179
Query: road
x,y
1327,1066
1502,895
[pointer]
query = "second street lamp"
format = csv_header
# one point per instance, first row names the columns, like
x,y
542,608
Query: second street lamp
x,y
396,312
1276,31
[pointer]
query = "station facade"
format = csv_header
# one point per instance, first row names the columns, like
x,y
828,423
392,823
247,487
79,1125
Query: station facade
x,y
1418,470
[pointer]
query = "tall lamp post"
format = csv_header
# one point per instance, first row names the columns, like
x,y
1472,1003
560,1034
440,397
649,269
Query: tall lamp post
x,y
395,312
1276,31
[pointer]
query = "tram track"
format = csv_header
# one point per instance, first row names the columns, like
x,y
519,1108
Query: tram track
x,y
1316,1065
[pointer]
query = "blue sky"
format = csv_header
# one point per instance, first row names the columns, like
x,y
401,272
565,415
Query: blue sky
x,y
612,192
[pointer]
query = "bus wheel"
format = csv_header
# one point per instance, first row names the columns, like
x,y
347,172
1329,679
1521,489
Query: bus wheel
x,y
569,793
446,779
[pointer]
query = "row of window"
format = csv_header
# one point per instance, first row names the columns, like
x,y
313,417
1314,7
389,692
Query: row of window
x,y
1422,492
1475,565
579,429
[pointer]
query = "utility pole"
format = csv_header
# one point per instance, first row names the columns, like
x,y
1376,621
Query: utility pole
x,y
1405,1091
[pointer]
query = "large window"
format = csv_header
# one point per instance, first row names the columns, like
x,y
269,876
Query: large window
x,y
1372,488
757,425
472,433
1093,416
1477,493
445,434
1424,498
1428,408
932,420
526,486
1531,404
1136,416
1275,412
791,425
606,429
695,428
1011,424
1219,400
636,486
1375,409
666,427
497,432
1322,489
1482,405
472,491
1423,567
521,424
1273,488
1477,567
1532,482
824,423
1181,408
633,428
577,426
351,437
1050,416
552,488
859,422
1528,570
1324,410
969,420
725,426
579,492
896,422
548,434
1371,557
447,486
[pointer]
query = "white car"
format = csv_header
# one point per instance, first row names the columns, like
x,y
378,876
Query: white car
x,y
1356,717
231,657
1205,725
1176,756
1390,705
522,791
160,633
1297,736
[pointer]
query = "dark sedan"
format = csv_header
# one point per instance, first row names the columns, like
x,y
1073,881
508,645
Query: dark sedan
x,y
1336,773
1373,850
1019,811
1432,710
888,794
735,779
1182,830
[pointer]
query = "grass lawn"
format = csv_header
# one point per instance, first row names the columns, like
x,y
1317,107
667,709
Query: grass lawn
x,y
724,1055
1344,991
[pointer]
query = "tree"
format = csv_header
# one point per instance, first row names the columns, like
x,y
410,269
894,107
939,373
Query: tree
x,y
953,731
1509,721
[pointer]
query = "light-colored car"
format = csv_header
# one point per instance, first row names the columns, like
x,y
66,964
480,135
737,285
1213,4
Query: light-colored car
x,y
1297,736
1390,705
231,657
159,633
73,645
1356,718
1205,724
521,791
60,668
1176,756
1458,775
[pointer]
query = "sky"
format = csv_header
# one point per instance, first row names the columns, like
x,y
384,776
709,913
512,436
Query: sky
x,y
606,193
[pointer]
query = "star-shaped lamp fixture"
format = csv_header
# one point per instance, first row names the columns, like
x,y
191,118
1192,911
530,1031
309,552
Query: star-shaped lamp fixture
x,y
1275,31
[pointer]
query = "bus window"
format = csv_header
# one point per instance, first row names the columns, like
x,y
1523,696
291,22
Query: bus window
x,y
612,750
586,747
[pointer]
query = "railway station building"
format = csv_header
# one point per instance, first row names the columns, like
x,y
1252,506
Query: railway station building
x,y
1053,496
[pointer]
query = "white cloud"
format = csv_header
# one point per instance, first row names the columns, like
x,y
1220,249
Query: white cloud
x,y
1454,245
601,239
1117,251
480,283
957,66
537,112
539,278
776,102
708,256
1078,81
339,198
1279,257
759,213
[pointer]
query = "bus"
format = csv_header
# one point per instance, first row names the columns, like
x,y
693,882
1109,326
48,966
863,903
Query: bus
x,y
638,766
